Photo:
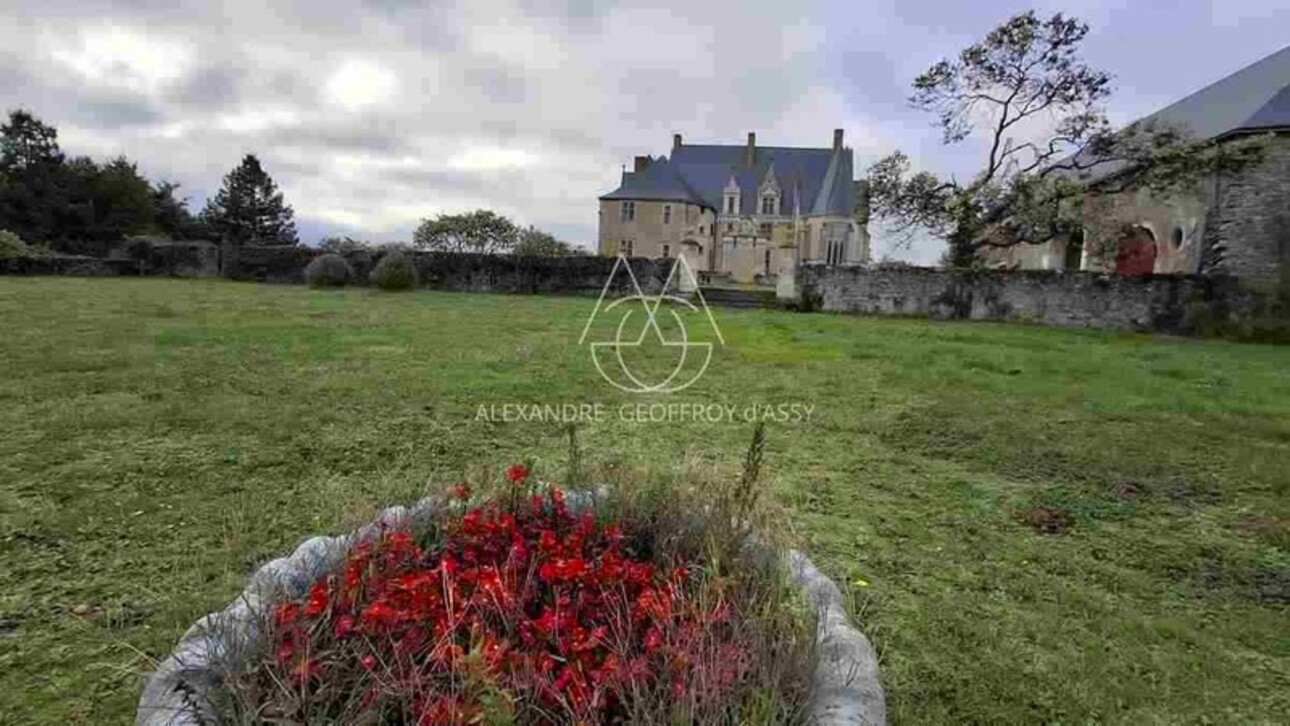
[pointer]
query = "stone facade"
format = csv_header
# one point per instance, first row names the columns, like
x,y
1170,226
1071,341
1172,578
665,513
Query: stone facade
x,y
746,212
1237,225
658,229
1250,235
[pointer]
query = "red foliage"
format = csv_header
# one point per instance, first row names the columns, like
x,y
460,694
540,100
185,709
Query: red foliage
x,y
537,603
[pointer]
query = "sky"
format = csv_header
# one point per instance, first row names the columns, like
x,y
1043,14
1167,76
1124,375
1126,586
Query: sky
x,y
374,115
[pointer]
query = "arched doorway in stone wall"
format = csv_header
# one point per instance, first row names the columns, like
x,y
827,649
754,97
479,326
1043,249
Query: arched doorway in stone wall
x,y
1136,253
693,253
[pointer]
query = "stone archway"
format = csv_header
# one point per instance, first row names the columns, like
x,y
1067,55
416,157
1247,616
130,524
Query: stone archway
x,y
693,253
1136,252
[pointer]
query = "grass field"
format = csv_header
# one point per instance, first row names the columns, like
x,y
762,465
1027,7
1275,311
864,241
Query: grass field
x,y
159,438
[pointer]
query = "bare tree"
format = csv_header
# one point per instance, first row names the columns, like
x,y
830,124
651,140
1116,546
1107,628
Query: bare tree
x,y
1048,145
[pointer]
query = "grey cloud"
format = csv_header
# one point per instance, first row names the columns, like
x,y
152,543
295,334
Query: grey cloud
x,y
494,84
110,114
369,139
210,87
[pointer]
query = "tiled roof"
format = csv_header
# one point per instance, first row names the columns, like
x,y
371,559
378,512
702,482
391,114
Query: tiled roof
x,y
699,174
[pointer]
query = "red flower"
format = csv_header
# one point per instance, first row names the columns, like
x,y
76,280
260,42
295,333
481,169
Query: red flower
x,y
344,626
317,601
517,473
411,624
286,614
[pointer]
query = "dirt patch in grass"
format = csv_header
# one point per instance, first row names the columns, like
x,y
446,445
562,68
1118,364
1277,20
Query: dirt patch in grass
x,y
1048,520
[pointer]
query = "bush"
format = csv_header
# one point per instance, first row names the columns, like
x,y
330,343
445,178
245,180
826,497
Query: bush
x,y
11,245
395,271
328,270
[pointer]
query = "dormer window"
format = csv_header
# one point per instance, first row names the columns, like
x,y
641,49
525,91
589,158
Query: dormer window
x,y
768,193
731,197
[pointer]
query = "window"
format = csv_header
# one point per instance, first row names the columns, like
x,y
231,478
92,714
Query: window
x,y
667,215
625,249
1074,251
731,203
730,227
768,205
667,251
767,262
629,211
763,229
1178,237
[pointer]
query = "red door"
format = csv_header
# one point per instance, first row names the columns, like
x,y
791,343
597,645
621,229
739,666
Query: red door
x,y
1137,253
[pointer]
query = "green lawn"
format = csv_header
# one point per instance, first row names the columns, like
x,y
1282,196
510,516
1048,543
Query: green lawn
x,y
159,438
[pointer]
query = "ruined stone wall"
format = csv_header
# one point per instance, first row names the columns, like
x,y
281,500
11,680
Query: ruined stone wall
x,y
1161,303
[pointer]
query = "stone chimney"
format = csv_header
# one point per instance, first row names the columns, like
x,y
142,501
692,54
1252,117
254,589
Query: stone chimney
x,y
750,156
641,163
837,139
676,141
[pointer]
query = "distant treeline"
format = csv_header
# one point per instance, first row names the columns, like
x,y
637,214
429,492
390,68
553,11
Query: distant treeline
x,y
80,206
50,200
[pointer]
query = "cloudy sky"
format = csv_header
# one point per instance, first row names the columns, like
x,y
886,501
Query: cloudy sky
x,y
374,115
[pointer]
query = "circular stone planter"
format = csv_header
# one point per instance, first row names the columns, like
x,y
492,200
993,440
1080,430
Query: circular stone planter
x,y
846,689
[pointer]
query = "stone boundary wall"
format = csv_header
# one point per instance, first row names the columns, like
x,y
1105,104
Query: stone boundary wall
x,y
69,265
165,259
1159,303
285,264
461,272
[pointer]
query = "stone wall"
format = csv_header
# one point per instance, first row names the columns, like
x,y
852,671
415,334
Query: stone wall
x,y
269,263
579,275
172,259
70,265
181,259
1252,220
1173,303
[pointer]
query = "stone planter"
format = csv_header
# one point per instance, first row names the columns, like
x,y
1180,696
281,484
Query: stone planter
x,y
178,693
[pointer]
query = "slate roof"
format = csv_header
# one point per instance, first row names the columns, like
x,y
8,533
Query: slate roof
x,y
699,173
1255,98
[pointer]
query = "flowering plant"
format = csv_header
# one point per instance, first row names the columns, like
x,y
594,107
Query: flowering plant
x,y
519,610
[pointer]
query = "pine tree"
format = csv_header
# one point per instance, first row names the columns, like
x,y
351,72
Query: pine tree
x,y
249,209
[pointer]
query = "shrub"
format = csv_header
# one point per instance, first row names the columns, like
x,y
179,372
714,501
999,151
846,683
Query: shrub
x,y
395,271
640,604
11,245
329,270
